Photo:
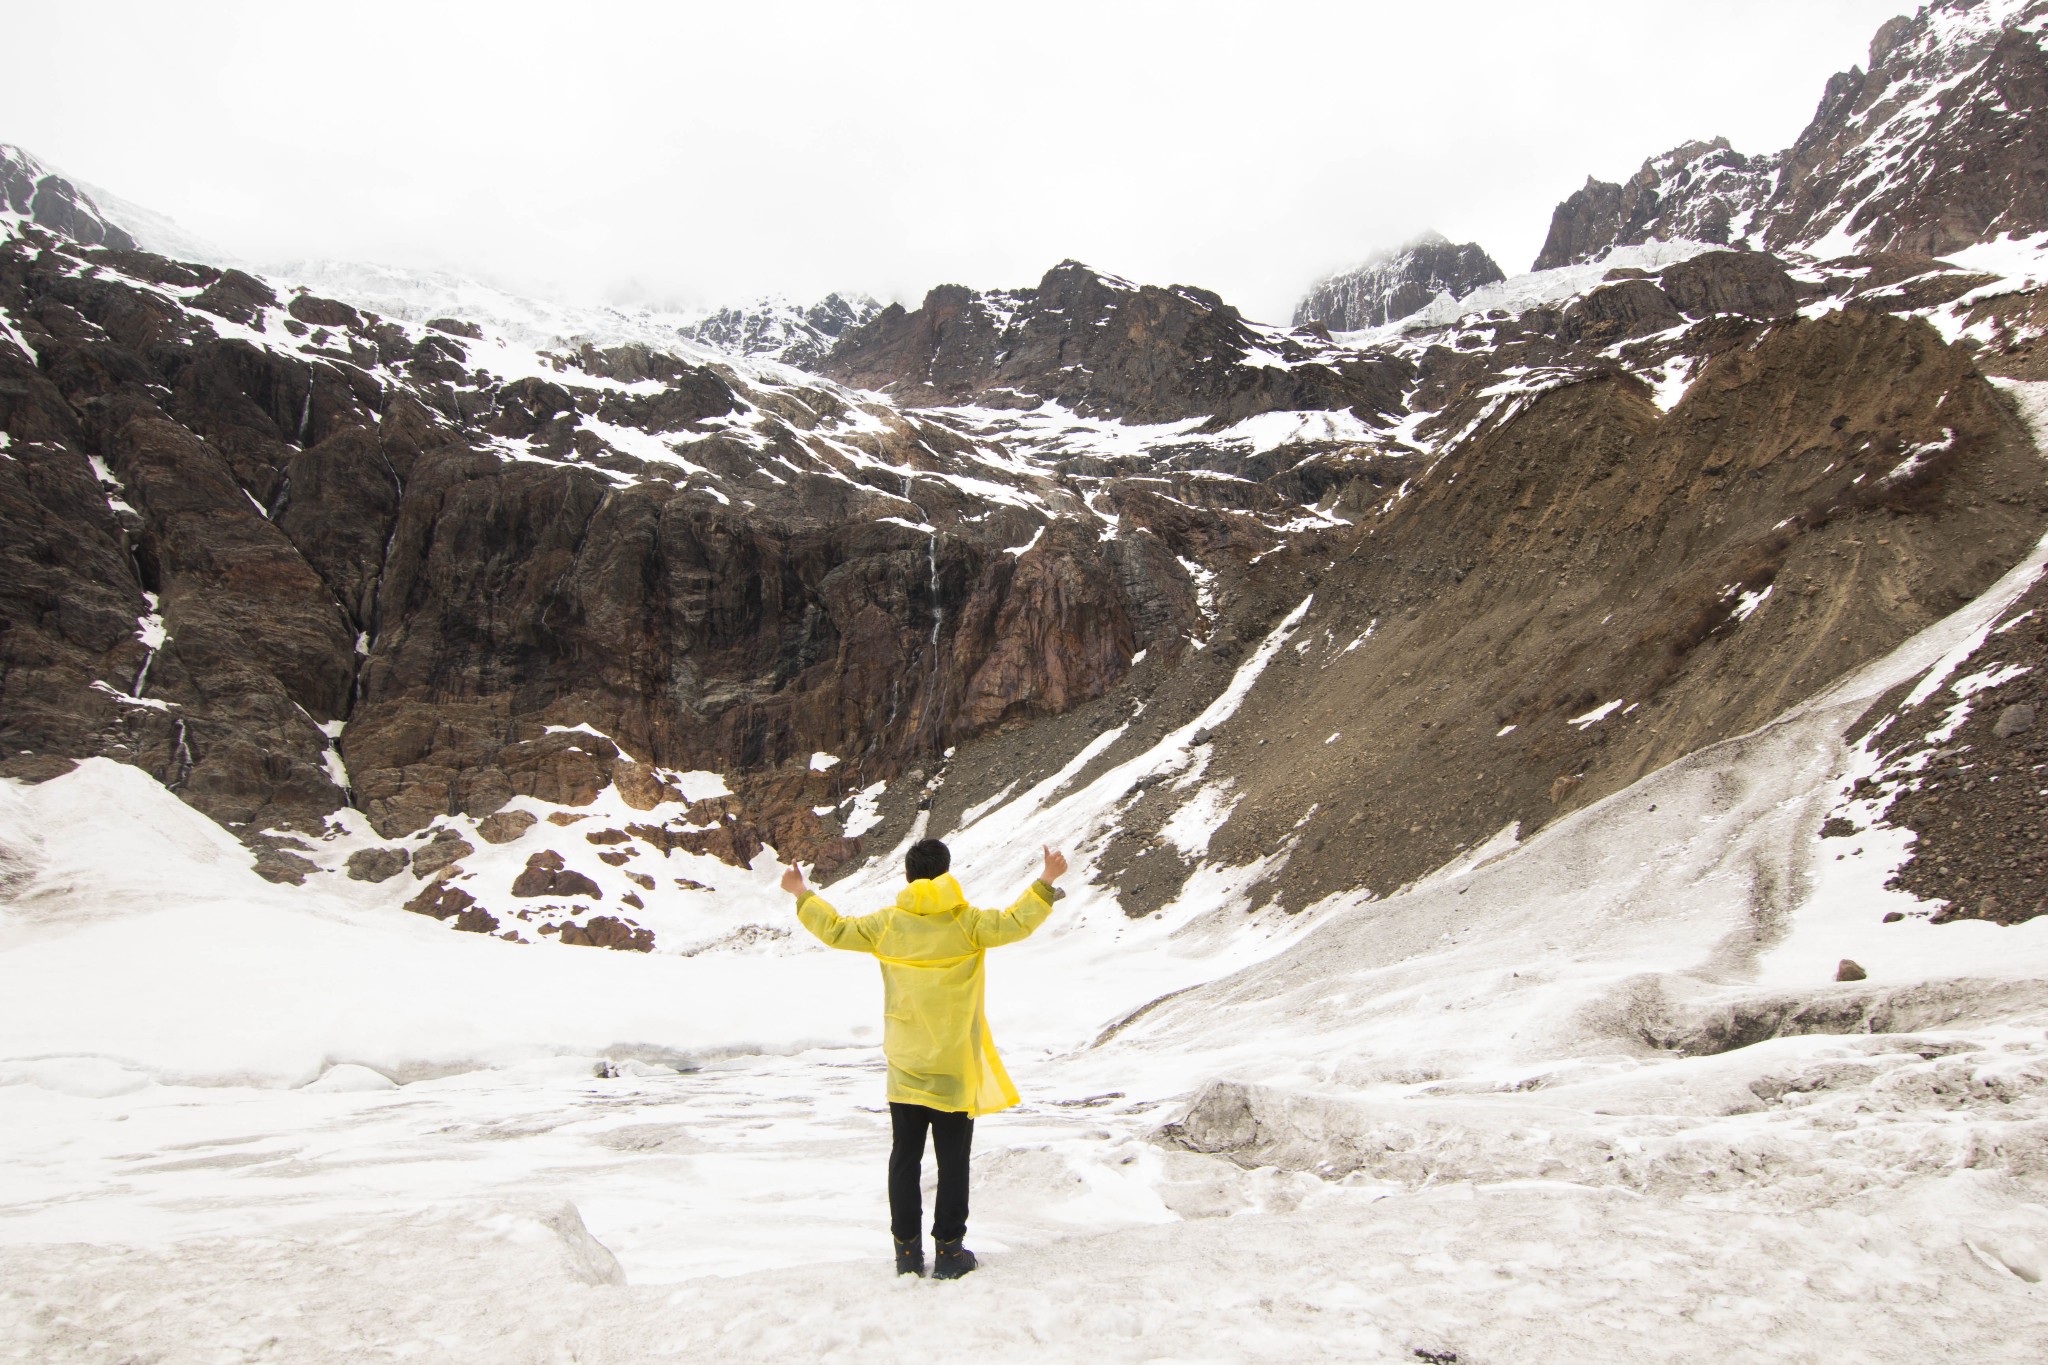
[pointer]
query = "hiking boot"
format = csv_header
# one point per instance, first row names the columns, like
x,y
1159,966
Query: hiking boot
x,y
910,1257
953,1261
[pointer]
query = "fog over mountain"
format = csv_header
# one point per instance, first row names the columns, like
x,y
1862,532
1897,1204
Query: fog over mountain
x,y
694,159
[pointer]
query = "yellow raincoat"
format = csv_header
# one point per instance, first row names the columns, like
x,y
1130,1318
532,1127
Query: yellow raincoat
x,y
930,943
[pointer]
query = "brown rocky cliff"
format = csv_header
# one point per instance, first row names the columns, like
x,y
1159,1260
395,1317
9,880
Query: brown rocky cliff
x,y
334,542
1100,346
1591,551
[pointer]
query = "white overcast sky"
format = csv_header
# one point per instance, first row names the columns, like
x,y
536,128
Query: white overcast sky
x,y
686,154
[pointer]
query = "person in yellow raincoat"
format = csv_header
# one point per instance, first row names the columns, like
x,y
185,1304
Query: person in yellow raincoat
x,y
943,1067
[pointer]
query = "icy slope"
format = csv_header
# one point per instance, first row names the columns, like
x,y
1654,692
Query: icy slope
x,y
1458,1120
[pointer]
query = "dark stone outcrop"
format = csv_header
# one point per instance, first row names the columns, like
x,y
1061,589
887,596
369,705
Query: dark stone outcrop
x,y
608,931
1101,346
1745,282
1396,283
1698,191
280,865
283,541
1873,164
377,864
444,850
1631,308
1975,799
31,189
505,826
545,875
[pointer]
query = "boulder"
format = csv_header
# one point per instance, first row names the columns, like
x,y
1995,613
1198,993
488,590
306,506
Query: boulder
x,y
505,826
546,875
457,327
275,865
318,312
446,849
441,900
474,919
607,931
376,864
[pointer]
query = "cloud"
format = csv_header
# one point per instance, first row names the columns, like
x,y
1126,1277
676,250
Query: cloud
x,y
696,154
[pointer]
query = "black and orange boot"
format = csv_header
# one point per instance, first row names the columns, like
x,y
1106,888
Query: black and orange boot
x,y
953,1260
910,1257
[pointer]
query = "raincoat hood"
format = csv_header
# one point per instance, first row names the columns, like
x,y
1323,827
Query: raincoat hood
x,y
931,896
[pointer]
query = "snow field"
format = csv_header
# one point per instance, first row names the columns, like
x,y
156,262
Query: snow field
x,y
1432,1122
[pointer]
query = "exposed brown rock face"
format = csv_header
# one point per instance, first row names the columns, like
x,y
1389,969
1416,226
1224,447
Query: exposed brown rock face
x,y
1396,283
377,864
445,901
1101,346
1745,282
505,826
1873,164
1593,551
279,865
443,851
286,540
545,875
607,931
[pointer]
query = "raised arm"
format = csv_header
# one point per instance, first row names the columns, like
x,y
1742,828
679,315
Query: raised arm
x,y
827,925
994,928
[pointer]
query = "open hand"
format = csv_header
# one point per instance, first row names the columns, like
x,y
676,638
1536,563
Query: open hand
x,y
1055,865
793,881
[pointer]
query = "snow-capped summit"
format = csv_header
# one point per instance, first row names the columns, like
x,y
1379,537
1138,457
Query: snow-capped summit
x,y
781,329
1395,283
30,188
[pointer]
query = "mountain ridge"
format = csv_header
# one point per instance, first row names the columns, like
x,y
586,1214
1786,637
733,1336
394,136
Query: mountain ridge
x,y
403,585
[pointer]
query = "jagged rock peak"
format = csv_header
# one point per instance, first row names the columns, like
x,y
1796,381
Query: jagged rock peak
x,y
781,329
1100,345
1395,283
33,190
1939,145
1698,191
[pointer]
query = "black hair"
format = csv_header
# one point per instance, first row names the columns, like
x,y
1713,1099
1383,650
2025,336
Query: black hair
x,y
927,858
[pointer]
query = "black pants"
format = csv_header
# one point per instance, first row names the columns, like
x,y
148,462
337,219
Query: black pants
x,y
952,1140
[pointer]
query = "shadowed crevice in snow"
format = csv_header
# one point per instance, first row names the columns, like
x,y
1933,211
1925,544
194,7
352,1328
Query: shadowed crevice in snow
x,y
1909,1008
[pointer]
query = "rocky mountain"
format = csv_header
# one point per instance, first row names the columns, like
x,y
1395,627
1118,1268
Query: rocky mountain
x,y
1933,148
32,190
1397,283
519,612
777,329
1103,346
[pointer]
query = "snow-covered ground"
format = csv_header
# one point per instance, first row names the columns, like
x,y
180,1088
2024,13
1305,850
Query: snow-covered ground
x,y
1463,1119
